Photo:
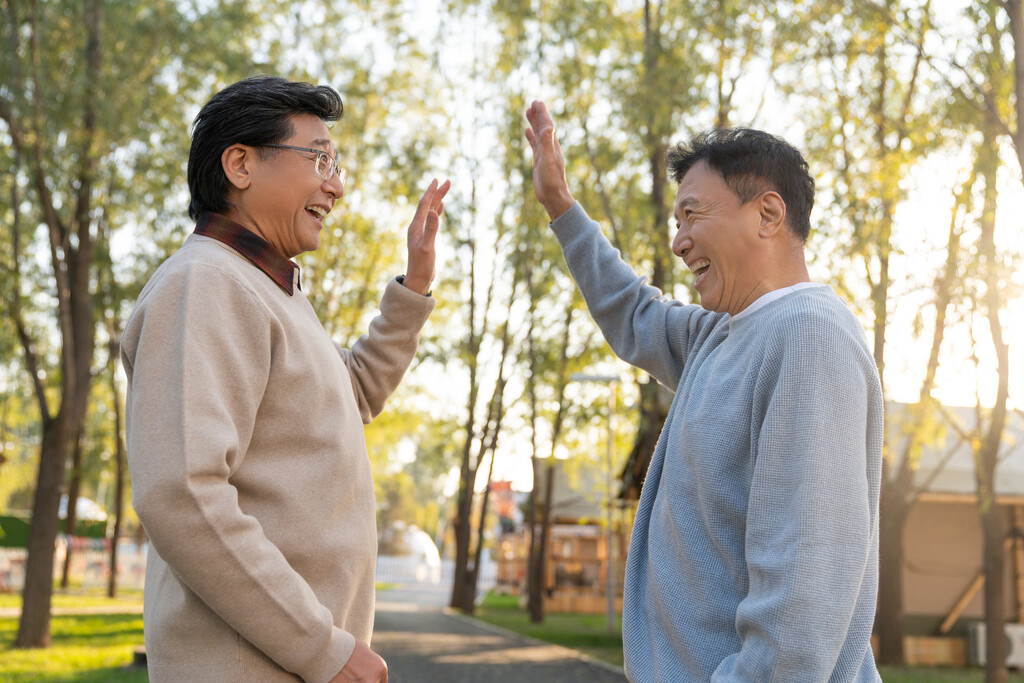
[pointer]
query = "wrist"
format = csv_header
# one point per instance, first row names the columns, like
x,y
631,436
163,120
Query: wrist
x,y
559,205
420,287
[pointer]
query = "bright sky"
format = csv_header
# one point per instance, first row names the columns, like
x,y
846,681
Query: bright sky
x,y
922,229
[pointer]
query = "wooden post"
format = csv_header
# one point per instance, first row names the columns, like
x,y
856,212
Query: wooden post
x,y
1018,558
971,591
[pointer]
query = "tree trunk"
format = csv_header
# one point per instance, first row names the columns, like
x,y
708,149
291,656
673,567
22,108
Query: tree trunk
x,y
538,567
71,255
473,578
71,515
119,457
34,624
539,546
889,620
992,523
461,528
994,564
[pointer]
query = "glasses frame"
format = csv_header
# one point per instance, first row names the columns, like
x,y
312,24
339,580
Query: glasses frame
x,y
334,162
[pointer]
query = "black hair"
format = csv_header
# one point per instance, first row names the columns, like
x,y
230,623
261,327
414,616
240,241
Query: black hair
x,y
255,111
751,162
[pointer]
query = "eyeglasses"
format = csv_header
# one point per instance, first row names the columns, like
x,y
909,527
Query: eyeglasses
x,y
325,166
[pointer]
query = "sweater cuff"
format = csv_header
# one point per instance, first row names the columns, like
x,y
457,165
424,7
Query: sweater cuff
x,y
570,222
399,298
401,280
336,653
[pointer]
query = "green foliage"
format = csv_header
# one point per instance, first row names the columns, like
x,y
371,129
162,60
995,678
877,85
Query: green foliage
x,y
19,443
873,111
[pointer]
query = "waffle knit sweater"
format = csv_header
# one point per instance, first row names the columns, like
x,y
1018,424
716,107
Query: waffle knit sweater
x,y
755,547
249,468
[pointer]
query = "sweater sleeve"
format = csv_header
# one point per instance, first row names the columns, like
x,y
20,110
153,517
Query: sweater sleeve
x,y
812,514
643,327
197,368
378,360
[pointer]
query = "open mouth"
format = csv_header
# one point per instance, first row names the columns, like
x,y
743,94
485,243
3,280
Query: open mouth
x,y
316,212
699,269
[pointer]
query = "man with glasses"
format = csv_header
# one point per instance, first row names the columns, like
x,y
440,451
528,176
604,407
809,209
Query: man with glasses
x,y
245,421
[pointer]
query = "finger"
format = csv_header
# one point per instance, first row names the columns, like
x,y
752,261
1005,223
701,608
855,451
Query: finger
x,y
430,228
531,115
425,203
533,132
440,193
538,114
427,198
542,116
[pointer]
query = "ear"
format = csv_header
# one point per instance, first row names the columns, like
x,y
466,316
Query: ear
x,y
235,161
773,214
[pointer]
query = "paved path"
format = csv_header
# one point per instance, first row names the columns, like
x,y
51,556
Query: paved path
x,y
424,644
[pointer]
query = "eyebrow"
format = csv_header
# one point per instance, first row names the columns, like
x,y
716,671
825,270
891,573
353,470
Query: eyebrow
x,y
321,142
686,203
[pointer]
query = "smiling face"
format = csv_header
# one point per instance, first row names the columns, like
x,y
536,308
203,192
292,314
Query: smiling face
x,y
719,240
278,195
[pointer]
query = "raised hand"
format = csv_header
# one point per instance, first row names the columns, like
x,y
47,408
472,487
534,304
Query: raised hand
x,y
422,231
549,182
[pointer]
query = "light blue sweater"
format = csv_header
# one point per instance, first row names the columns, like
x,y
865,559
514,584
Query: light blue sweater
x,y
754,554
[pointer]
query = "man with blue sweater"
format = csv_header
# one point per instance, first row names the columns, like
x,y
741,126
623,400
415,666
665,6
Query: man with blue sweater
x,y
755,547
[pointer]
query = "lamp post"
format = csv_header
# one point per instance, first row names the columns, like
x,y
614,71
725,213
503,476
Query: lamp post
x,y
609,570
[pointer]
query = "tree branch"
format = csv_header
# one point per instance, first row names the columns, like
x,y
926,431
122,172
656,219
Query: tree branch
x,y
14,303
1015,11
602,191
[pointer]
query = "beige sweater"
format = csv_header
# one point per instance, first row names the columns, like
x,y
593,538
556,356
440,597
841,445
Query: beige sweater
x,y
249,468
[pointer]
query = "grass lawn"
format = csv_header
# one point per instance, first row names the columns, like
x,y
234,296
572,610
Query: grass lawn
x,y
80,599
586,633
87,648
933,675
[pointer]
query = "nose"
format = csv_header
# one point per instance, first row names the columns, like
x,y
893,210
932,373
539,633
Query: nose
x,y
335,185
682,243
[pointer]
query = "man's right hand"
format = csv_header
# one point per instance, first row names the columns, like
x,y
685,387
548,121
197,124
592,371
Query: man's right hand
x,y
549,182
363,665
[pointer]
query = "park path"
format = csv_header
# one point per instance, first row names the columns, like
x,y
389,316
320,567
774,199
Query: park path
x,y
423,643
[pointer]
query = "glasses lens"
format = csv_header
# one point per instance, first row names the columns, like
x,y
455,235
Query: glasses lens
x,y
324,165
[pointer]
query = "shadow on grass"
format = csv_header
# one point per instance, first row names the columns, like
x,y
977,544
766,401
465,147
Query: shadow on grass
x,y
586,633
100,630
84,649
121,675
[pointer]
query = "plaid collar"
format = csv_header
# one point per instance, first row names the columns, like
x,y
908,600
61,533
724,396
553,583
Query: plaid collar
x,y
283,271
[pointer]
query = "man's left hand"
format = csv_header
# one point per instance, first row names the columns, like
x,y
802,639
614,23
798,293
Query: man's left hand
x,y
422,231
